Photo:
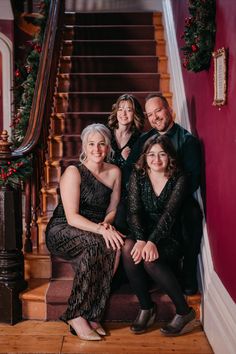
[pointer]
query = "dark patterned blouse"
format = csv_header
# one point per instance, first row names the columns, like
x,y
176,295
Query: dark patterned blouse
x,y
156,218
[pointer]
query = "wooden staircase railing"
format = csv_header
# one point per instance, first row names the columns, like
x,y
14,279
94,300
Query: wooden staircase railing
x,y
11,256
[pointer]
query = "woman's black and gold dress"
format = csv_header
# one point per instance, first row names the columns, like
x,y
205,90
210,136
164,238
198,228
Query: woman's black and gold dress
x,y
91,260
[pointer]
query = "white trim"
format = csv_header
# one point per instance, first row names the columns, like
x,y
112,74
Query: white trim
x,y
177,84
218,308
6,10
7,80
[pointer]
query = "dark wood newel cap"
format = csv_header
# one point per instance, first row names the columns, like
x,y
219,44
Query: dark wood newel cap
x,y
4,143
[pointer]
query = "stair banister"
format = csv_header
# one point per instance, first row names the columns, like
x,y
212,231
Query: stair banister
x,y
11,257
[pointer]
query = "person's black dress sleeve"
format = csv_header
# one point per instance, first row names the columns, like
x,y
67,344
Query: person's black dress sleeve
x,y
172,208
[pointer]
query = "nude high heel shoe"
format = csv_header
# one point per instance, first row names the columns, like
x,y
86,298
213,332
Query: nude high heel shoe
x,y
100,330
93,335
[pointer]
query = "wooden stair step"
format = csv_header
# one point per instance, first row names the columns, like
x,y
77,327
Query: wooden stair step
x,y
34,306
111,18
38,264
109,32
112,81
50,197
75,122
66,145
93,101
106,64
55,167
122,305
112,48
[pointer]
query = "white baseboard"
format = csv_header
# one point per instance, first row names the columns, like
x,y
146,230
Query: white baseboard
x,y
218,308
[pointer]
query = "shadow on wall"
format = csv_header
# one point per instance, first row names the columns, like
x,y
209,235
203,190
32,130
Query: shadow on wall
x,y
192,112
114,5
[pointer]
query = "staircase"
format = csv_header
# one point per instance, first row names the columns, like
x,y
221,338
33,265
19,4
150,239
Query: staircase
x,y
103,55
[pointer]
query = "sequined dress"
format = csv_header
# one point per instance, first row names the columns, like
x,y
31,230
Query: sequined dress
x,y
157,218
91,260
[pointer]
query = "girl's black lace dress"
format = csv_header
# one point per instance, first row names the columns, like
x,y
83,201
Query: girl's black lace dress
x,y
156,218
91,260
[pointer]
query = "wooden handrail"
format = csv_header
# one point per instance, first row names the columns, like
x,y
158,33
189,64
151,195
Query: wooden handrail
x,y
44,79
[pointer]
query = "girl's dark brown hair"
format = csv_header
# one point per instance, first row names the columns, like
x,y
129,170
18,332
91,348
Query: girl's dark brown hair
x,y
138,123
167,146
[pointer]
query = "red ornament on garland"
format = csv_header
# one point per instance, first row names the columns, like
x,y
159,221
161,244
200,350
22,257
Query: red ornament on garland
x,y
38,48
17,73
194,47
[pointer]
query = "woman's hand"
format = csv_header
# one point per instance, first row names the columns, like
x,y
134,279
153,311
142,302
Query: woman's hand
x,y
112,237
136,251
150,252
125,152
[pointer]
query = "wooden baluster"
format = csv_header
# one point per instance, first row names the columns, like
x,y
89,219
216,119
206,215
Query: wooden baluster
x,y
35,191
11,257
28,242
29,6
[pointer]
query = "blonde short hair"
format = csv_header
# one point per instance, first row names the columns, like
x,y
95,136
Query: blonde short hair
x,y
92,129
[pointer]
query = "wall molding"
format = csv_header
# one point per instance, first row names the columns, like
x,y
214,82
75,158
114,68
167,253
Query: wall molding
x,y
218,309
6,50
176,84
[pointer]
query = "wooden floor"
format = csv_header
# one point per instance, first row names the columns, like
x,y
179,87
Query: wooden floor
x,y
53,337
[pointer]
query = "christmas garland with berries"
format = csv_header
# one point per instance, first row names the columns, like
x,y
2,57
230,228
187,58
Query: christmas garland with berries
x,y
25,78
13,172
199,35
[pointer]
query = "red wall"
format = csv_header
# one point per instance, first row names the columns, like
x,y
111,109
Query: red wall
x,y
216,129
7,28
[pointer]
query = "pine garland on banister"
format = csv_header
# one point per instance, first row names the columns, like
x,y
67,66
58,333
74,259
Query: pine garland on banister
x,y
25,78
13,172
199,35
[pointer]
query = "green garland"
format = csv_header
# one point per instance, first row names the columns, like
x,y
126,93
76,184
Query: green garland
x,y
25,78
199,35
13,172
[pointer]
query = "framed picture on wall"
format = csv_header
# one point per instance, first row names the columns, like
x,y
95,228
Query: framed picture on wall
x,y
220,77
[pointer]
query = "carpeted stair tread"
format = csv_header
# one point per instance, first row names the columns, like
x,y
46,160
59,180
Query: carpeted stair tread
x,y
107,64
107,32
109,81
111,18
122,305
112,48
91,101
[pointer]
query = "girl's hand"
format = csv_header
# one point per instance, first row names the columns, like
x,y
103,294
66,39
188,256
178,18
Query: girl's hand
x,y
136,251
112,237
150,252
125,152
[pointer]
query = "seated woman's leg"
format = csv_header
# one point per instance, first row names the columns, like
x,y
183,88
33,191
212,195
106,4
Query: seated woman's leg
x,y
93,264
137,276
163,276
139,282
185,316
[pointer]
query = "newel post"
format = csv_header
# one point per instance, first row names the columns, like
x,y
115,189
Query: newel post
x,y
11,257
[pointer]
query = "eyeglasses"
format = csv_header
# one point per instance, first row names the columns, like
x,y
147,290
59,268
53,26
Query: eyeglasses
x,y
152,155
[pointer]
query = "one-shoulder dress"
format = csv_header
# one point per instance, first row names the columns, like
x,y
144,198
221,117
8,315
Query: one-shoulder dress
x,y
91,260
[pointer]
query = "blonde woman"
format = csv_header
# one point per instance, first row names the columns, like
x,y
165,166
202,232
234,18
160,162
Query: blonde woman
x,y
81,231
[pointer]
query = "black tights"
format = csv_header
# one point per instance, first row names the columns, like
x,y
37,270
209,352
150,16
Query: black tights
x,y
160,273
